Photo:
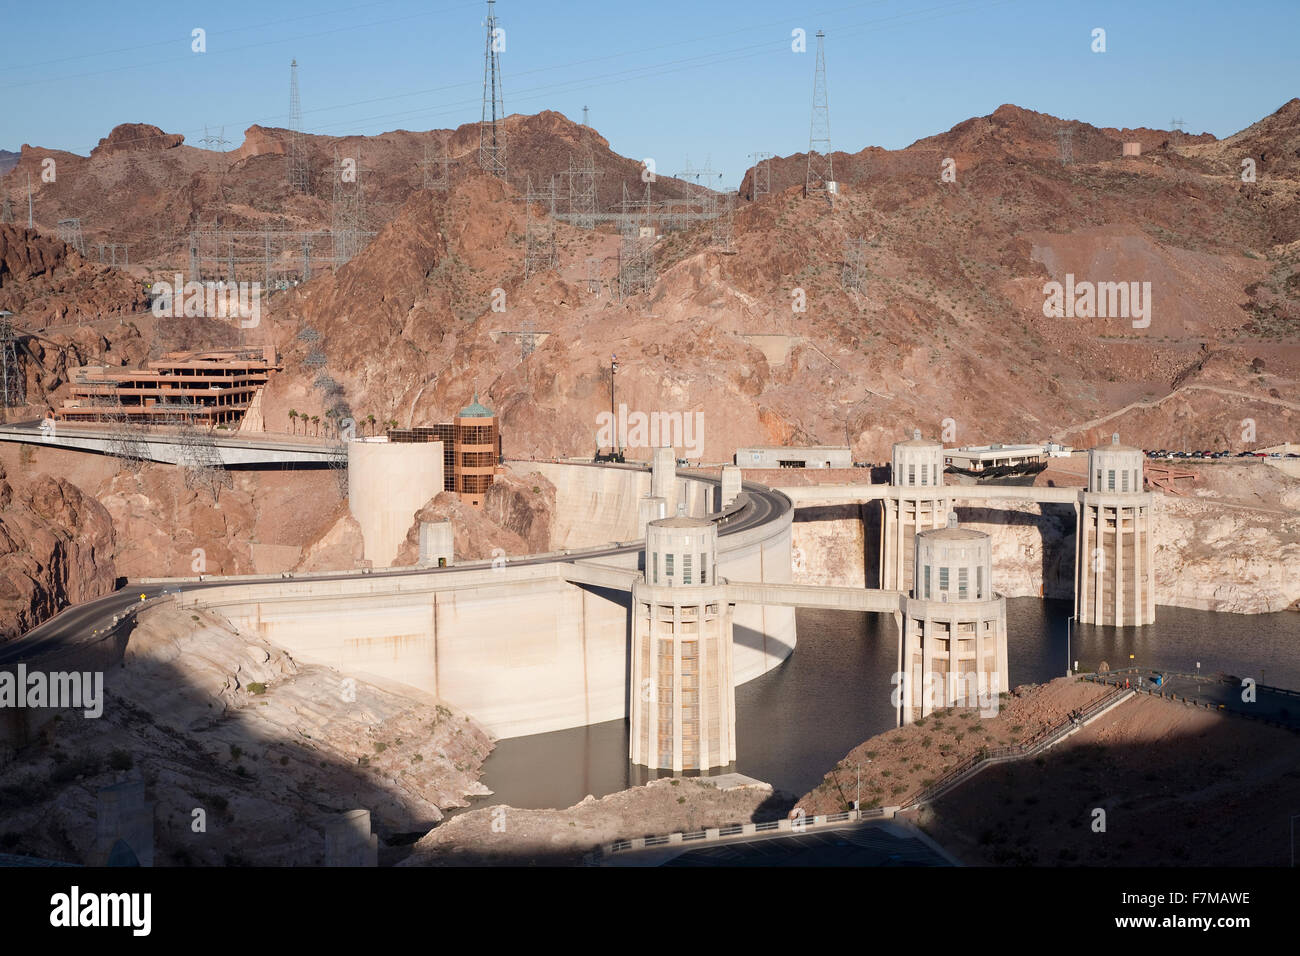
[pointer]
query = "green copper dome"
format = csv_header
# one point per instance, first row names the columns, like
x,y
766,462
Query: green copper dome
x,y
475,410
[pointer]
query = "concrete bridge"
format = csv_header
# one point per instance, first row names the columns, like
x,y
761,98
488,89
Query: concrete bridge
x,y
234,450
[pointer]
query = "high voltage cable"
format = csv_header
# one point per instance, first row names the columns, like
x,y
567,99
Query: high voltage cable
x,y
650,70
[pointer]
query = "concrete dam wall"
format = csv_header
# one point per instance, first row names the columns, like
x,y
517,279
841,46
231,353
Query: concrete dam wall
x,y
598,504
520,647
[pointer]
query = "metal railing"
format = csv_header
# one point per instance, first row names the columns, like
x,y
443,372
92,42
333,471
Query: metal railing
x,y
1035,745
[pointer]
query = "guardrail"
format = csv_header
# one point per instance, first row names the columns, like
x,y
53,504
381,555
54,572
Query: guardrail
x,y
731,830
1163,694
1045,738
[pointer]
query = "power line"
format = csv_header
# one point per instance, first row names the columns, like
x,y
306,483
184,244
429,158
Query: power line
x,y
643,72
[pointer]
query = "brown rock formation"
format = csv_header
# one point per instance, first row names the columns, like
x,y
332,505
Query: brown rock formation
x,y
56,549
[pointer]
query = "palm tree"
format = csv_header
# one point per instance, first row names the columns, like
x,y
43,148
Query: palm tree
x,y
370,420
315,420
329,423
293,419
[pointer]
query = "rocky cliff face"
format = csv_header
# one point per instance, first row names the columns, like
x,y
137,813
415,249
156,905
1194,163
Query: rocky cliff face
x,y
516,519
1210,554
266,747
44,281
56,549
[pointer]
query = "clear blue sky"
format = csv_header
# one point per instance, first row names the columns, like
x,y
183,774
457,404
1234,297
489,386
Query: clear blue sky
x,y
670,80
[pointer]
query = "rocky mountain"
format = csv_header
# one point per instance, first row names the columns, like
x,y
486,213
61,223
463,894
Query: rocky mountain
x,y
946,321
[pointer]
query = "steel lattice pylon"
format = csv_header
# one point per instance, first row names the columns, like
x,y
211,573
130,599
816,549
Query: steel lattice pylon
x,y
582,192
13,385
70,232
347,209
434,165
854,275
1066,135
762,184
539,231
492,130
296,157
820,168
126,440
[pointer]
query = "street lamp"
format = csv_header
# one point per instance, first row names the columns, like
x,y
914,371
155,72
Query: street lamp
x,y
613,368
1067,646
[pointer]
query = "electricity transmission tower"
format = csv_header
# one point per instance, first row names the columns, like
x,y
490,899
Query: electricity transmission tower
x,y
70,232
636,264
296,158
126,440
346,208
854,275
702,178
198,455
582,192
1066,136
6,211
492,128
12,384
820,172
723,223
762,175
214,142
435,165
539,231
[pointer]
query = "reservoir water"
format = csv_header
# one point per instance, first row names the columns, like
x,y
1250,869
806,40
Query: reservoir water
x,y
795,722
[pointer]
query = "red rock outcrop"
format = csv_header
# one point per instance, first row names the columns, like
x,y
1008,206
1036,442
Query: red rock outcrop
x,y
56,549
133,137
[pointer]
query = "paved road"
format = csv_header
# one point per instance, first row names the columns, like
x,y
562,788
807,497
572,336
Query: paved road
x,y
1270,703
78,624
869,844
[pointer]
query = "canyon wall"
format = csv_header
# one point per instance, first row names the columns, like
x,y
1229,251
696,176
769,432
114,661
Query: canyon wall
x,y
1209,555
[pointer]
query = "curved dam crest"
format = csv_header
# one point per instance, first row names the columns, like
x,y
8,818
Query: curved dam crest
x,y
538,645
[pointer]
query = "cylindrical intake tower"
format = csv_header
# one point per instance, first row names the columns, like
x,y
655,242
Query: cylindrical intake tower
x,y
954,626
1114,562
918,503
683,699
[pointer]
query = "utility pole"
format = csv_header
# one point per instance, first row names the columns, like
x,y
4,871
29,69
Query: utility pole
x,y
613,368
820,173
1067,646
492,130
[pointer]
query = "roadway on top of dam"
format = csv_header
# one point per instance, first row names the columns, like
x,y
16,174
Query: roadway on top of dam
x,y
811,496
79,623
234,449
